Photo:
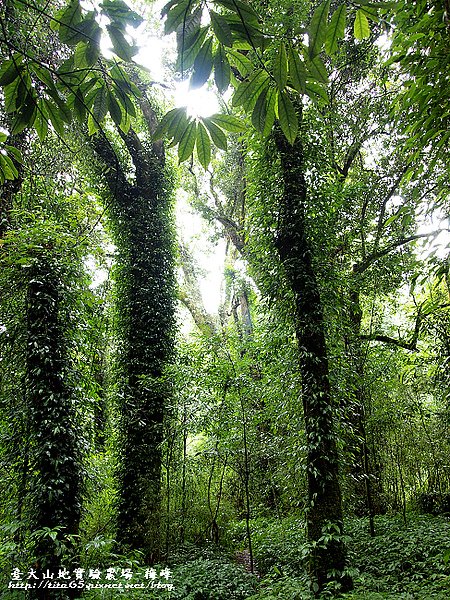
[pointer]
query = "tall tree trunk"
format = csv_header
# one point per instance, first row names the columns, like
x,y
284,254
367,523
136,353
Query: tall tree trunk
x,y
55,458
144,296
324,493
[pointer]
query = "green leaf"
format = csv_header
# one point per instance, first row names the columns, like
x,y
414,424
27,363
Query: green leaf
x,y
243,64
119,12
165,9
371,13
336,30
245,12
68,16
316,92
176,15
79,108
246,35
217,135
86,31
287,117
100,105
318,28
263,115
259,113
91,53
43,75
221,28
124,101
203,64
317,70
178,126
66,115
222,71
7,169
361,27
15,152
280,67
203,145
41,122
123,81
121,47
188,30
248,91
297,71
187,56
271,99
187,142
228,122
168,118
10,69
11,95
114,109
25,117
53,113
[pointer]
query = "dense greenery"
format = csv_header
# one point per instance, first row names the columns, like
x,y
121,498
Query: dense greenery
x,y
293,441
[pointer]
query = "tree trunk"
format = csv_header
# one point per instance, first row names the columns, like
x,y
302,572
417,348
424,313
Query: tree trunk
x,y
328,560
144,297
56,494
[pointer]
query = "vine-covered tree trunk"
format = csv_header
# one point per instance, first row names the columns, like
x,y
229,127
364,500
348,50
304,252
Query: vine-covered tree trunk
x,y
54,451
144,297
328,559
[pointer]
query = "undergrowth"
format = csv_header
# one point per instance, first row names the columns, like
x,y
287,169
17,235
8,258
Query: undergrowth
x,y
402,562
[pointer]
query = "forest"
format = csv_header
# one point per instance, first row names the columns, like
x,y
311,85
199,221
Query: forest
x,y
224,322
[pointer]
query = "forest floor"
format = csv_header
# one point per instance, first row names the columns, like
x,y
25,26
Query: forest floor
x,y
402,562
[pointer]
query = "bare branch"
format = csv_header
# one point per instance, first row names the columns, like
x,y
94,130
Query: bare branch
x,y
365,264
190,294
386,339
391,192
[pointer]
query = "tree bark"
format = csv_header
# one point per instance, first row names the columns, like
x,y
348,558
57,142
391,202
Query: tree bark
x,y
324,493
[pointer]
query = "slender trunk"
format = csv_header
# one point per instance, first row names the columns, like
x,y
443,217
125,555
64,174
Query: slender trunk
x,y
328,560
184,476
246,476
361,472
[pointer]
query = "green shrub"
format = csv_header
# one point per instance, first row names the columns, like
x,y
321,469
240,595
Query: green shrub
x,y
277,544
212,579
401,562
